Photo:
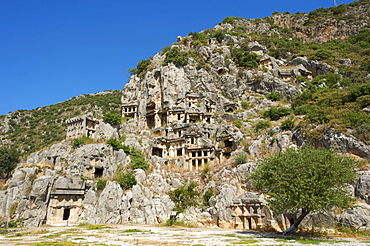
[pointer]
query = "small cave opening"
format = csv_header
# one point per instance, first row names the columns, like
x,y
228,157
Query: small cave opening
x,y
98,172
66,213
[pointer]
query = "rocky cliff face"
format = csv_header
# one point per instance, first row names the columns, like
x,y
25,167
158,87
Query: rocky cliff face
x,y
191,119
322,25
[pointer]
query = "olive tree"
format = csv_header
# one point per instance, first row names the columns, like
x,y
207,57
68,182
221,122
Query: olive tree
x,y
183,197
305,180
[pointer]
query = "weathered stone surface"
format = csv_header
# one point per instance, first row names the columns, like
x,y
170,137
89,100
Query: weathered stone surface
x,y
362,186
108,205
358,217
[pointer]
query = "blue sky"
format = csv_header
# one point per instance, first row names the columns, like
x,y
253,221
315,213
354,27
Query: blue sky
x,y
51,51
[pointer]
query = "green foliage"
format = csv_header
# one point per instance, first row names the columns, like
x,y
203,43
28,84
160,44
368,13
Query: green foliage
x,y
262,125
126,181
218,34
184,197
238,123
115,143
244,58
318,180
198,36
12,224
41,127
287,124
100,185
277,113
231,19
274,96
332,105
240,157
177,57
113,118
141,68
9,158
78,142
138,159
244,105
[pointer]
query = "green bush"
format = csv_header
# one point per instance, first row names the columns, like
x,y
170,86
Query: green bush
x,y
184,197
244,105
141,67
100,185
274,96
277,113
218,34
199,36
240,157
77,142
177,57
113,118
244,58
12,224
138,159
356,118
126,181
262,125
238,123
230,19
116,144
287,125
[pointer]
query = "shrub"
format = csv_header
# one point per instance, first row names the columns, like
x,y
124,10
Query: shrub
x,y
199,36
274,96
277,113
77,142
177,57
138,159
12,224
141,67
113,118
244,105
287,125
262,125
238,123
100,185
356,119
185,196
240,157
116,144
126,181
244,58
230,19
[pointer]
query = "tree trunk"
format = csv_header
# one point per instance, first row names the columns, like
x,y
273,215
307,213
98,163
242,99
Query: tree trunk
x,y
294,227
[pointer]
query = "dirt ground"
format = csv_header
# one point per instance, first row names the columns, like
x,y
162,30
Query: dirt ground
x,y
156,235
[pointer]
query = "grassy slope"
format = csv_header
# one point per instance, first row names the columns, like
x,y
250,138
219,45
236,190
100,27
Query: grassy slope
x,y
32,130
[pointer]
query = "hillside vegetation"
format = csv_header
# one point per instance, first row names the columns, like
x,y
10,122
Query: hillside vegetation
x,y
32,130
